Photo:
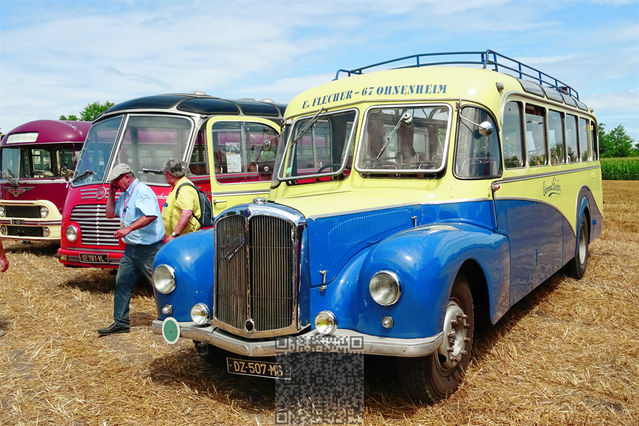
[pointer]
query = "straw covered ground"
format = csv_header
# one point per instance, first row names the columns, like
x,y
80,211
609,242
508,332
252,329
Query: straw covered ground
x,y
568,353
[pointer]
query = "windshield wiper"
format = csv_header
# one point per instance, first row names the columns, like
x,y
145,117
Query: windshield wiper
x,y
83,175
10,173
405,118
308,125
154,171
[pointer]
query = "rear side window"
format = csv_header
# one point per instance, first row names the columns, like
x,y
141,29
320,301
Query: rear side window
x,y
556,137
572,152
477,154
584,143
514,154
536,135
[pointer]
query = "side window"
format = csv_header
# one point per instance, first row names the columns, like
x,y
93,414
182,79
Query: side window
x,y
513,135
41,160
65,160
477,152
556,137
594,140
583,139
571,139
536,135
198,163
243,151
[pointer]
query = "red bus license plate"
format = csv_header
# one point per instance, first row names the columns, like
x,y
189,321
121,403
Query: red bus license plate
x,y
94,258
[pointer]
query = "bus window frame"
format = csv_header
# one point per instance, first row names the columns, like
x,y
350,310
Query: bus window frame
x,y
543,109
496,132
562,121
575,118
522,132
406,173
283,161
124,126
244,147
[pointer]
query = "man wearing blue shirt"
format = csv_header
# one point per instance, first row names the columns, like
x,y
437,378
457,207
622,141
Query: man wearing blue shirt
x,y
141,229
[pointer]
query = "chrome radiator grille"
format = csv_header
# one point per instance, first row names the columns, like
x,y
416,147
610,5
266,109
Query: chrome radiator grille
x,y
256,274
95,228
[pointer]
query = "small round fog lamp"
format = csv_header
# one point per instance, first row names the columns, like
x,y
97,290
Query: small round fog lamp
x,y
325,322
200,314
385,288
387,322
44,211
46,232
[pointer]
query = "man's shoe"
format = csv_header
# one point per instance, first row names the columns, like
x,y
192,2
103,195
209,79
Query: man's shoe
x,y
113,328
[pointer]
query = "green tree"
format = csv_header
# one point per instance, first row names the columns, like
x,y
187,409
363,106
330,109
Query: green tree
x,y
90,112
616,143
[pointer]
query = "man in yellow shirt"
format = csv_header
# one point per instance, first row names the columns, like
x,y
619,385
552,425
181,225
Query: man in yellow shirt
x,y
179,215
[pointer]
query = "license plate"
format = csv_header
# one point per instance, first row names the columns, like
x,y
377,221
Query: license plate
x,y
249,367
94,258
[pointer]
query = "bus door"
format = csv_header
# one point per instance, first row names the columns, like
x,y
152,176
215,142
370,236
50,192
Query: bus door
x,y
241,158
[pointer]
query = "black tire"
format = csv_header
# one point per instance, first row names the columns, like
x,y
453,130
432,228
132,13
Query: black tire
x,y
432,378
577,265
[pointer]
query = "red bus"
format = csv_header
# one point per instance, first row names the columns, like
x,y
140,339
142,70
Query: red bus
x,y
145,132
38,158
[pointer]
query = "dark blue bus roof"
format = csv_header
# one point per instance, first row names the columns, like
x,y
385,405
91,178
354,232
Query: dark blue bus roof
x,y
202,104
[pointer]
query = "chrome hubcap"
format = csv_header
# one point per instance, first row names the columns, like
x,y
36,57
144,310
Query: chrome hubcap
x,y
582,247
453,347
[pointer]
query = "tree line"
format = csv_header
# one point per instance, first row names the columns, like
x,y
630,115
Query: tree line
x,y
616,143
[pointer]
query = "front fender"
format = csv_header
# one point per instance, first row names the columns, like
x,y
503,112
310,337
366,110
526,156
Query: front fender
x,y
191,256
426,260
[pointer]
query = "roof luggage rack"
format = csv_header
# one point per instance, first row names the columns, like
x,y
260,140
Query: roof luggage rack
x,y
487,59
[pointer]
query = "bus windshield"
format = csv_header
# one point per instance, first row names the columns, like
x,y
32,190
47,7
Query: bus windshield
x,y
42,161
96,152
404,139
319,146
147,142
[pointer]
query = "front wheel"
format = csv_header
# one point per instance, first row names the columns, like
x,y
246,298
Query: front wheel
x,y
577,266
432,378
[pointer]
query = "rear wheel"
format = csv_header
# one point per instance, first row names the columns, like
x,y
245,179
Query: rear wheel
x,y
434,377
577,266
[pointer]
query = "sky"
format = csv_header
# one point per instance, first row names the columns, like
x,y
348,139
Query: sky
x,y
58,56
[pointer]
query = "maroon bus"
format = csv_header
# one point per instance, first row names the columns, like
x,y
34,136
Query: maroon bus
x,y
38,158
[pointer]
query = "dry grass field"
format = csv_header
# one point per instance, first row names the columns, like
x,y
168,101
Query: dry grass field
x,y
567,354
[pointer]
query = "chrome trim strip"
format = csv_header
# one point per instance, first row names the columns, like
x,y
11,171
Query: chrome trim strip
x,y
547,174
226,193
373,345
395,206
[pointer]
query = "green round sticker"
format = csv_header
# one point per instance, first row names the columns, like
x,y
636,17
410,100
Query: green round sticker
x,y
170,330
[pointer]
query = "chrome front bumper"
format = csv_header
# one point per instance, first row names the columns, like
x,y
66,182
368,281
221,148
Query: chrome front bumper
x,y
370,345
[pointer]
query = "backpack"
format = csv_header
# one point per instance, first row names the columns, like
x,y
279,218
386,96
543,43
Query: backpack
x,y
206,208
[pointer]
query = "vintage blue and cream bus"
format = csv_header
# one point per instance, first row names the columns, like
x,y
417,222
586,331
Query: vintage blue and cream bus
x,y
407,204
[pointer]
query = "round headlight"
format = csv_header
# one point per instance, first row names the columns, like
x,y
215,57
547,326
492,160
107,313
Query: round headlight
x,y
44,211
385,288
71,233
164,279
200,313
325,322
3,212
46,232
3,230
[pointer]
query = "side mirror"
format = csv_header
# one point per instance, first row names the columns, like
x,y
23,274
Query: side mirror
x,y
486,128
